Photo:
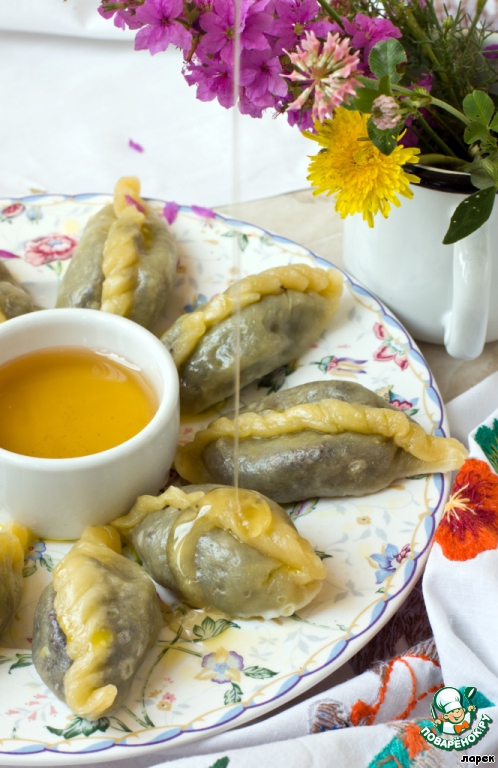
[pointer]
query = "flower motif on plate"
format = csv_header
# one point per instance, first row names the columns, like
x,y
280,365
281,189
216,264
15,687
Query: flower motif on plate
x,y
389,560
397,401
53,247
390,349
11,211
37,556
346,367
198,300
221,667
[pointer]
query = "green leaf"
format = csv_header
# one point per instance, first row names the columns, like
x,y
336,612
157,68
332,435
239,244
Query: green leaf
x,y
47,563
322,555
487,439
88,727
367,82
4,659
23,660
205,630
478,106
243,241
221,763
29,570
259,673
210,628
385,57
234,695
480,178
475,131
494,123
386,141
80,726
364,99
230,233
385,86
471,214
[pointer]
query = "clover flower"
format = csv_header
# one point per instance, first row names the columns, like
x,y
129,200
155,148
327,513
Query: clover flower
x,y
365,180
385,112
327,71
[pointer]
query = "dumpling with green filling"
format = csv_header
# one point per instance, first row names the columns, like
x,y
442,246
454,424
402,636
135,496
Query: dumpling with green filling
x,y
125,262
94,625
14,300
324,438
283,310
232,551
14,540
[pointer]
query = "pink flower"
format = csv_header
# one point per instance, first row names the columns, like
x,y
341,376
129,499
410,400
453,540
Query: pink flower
x,y
12,210
168,697
124,17
328,71
133,145
379,331
55,247
401,405
219,25
265,71
206,213
385,112
214,80
8,255
170,212
294,17
161,28
131,201
366,32
302,119
390,349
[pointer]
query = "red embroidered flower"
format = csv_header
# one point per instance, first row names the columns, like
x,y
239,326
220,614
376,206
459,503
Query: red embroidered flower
x,y
470,520
43,250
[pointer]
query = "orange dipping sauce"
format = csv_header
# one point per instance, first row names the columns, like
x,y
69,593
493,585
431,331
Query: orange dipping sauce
x,y
70,401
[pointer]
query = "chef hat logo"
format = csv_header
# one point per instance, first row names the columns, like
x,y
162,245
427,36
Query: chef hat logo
x,y
448,699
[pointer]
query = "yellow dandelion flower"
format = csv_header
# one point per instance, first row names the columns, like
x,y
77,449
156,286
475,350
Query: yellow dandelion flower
x,y
365,180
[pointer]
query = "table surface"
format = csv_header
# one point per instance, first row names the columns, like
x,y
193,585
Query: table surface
x,y
312,222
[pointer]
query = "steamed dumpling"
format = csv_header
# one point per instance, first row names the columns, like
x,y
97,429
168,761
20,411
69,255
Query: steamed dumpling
x,y
94,625
238,554
14,300
283,311
327,438
125,262
14,540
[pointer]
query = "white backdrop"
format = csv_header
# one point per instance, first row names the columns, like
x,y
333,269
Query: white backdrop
x,y
73,92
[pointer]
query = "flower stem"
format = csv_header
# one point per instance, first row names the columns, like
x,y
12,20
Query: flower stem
x,y
426,45
479,9
331,12
442,144
450,109
441,160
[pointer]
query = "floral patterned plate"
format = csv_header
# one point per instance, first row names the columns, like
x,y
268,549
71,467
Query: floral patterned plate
x,y
208,673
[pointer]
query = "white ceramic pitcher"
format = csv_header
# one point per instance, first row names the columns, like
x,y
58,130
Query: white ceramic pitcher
x,y
441,293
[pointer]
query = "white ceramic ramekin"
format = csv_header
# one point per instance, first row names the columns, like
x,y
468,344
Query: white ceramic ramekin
x,y
57,498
